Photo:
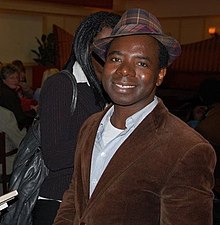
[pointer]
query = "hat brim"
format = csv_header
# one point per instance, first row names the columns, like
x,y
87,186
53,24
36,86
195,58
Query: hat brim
x,y
172,45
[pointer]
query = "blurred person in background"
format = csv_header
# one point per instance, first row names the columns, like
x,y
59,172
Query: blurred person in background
x,y
9,126
26,89
9,98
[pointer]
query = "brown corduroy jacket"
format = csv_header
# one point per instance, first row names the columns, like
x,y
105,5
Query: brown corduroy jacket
x,y
161,175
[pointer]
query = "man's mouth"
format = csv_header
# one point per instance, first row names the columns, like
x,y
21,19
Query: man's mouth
x,y
124,86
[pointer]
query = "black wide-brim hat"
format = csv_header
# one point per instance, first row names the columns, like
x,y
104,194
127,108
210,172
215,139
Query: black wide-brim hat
x,y
138,21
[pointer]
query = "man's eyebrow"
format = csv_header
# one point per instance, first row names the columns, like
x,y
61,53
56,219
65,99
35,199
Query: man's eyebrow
x,y
141,57
144,58
114,52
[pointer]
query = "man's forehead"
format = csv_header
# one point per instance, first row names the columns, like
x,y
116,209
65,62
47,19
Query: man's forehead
x,y
133,42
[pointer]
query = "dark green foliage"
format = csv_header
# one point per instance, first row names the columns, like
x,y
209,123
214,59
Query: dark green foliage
x,y
46,53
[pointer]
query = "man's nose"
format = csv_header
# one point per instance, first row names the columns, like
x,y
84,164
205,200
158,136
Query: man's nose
x,y
126,69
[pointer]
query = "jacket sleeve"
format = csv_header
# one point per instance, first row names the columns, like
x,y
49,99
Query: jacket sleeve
x,y
187,197
55,116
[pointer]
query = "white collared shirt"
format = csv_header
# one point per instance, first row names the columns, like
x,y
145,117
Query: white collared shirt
x,y
109,138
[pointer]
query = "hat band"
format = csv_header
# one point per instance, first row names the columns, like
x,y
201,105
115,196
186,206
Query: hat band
x,y
134,29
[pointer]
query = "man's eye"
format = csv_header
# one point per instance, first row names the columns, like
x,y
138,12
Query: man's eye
x,y
115,59
143,64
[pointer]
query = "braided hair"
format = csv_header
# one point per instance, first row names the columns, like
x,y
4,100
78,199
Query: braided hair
x,y
82,41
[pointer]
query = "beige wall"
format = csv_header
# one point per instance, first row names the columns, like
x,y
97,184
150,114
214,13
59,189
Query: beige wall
x,y
177,8
21,21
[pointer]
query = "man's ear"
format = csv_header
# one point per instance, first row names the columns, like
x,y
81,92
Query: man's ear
x,y
161,76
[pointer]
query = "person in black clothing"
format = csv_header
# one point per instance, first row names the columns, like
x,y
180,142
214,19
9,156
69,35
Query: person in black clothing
x,y
9,97
59,128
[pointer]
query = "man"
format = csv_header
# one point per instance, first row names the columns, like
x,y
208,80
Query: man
x,y
135,162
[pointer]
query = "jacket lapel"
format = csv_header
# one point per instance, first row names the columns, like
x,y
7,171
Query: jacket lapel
x,y
87,149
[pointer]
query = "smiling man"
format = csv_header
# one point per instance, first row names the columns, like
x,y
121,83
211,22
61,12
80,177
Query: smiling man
x,y
136,163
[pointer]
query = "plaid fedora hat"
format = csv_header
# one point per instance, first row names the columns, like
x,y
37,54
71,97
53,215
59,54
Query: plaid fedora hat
x,y
139,21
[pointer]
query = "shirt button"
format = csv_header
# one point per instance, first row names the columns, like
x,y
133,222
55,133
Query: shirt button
x,y
103,154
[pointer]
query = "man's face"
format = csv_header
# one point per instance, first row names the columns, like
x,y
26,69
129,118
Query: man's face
x,y
131,72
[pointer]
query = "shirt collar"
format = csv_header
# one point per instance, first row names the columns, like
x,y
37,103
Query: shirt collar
x,y
137,118
79,74
132,121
